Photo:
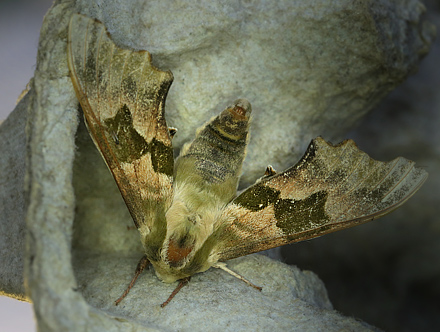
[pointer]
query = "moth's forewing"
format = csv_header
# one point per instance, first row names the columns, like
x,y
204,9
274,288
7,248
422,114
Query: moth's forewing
x,y
330,188
122,96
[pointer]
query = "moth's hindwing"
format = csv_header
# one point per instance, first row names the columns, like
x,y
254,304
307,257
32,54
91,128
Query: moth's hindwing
x,y
330,188
122,96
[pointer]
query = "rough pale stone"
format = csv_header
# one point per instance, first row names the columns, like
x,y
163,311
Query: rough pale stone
x,y
291,300
392,265
308,68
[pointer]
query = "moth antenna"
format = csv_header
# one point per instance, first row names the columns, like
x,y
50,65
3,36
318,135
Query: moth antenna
x,y
270,171
220,265
143,263
183,282
172,131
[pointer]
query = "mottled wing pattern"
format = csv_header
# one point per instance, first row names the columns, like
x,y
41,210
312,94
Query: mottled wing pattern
x,y
330,188
122,96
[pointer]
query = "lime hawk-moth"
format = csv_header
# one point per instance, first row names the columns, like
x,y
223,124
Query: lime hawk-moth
x,y
187,210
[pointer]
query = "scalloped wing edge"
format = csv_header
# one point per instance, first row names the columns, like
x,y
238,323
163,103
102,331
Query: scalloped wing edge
x,y
329,189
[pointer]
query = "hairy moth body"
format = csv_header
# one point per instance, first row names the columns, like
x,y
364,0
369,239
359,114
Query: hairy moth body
x,y
205,181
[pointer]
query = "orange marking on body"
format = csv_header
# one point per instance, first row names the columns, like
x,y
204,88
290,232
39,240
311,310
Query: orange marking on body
x,y
241,110
239,113
176,253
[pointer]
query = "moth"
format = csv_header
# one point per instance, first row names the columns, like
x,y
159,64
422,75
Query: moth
x,y
187,210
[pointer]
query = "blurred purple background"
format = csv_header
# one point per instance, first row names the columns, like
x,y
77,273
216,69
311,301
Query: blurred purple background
x,y
20,22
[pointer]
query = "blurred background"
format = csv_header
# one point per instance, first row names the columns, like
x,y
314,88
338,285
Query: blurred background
x,y
20,22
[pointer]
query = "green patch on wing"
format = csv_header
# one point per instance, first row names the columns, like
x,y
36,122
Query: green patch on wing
x,y
292,216
295,216
257,197
130,145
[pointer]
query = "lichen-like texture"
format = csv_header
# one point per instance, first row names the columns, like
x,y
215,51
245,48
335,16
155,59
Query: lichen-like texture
x,y
309,68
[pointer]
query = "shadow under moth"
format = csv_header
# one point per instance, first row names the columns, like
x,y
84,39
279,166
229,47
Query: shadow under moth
x,y
187,210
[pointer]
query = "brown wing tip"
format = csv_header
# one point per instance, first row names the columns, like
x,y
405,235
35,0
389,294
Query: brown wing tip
x,y
77,17
318,142
415,177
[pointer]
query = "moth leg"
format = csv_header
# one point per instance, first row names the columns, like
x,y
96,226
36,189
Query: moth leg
x,y
223,266
143,263
183,282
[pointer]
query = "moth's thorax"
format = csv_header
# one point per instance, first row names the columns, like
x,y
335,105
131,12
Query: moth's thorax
x,y
189,225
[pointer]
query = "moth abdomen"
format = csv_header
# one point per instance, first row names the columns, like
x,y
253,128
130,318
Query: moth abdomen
x,y
217,153
206,177
233,123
